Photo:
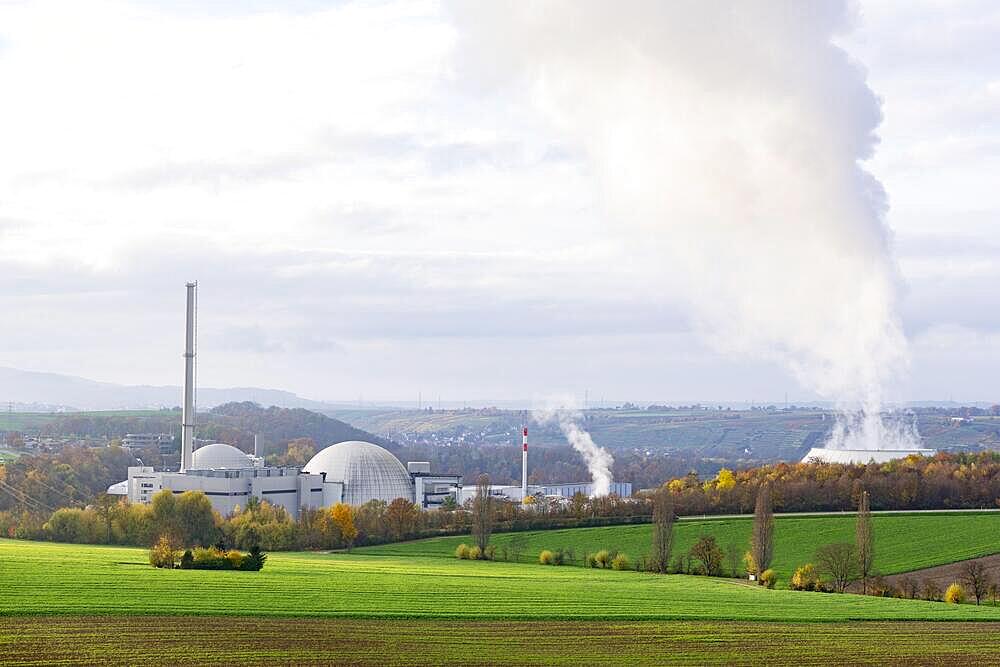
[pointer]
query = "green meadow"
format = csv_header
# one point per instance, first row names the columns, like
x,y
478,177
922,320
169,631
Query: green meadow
x,y
46,578
903,542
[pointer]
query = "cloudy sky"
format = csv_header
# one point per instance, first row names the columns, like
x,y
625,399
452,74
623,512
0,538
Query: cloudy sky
x,y
369,216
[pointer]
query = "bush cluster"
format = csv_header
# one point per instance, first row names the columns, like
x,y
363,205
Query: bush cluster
x,y
164,554
465,552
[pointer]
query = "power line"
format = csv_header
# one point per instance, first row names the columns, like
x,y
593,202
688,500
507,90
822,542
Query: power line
x,y
23,497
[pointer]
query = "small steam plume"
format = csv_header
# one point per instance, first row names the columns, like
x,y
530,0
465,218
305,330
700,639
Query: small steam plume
x,y
598,459
727,139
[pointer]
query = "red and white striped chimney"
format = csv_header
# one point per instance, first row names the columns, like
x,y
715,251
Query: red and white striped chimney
x,y
524,465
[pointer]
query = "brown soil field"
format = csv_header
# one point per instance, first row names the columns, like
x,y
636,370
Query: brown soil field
x,y
943,575
189,640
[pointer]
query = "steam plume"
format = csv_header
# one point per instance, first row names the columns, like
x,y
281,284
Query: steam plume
x,y
598,459
727,138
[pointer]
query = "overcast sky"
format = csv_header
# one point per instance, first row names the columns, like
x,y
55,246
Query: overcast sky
x,y
365,220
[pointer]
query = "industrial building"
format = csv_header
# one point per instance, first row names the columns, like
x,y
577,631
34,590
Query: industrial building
x,y
352,472
564,491
861,456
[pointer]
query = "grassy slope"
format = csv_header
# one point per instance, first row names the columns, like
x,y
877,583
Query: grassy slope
x,y
44,578
176,640
903,542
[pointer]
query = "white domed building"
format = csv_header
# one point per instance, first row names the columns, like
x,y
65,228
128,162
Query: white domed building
x,y
219,456
367,471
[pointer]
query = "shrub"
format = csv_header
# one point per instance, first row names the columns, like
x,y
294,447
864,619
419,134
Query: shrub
x,y
475,553
187,560
678,566
602,558
163,553
620,562
768,578
749,564
558,557
955,594
546,557
254,560
210,558
235,559
805,578
462,552
490,553
590,560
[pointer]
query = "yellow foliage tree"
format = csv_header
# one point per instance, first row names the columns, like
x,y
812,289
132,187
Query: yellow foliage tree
x,y
676,486
725,480
955,594
343,518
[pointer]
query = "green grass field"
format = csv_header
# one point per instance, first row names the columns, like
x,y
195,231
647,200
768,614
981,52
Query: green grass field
x,y
45,578
903,542
74,604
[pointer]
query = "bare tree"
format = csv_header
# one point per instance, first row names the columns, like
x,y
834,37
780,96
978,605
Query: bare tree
x,y
840,561
762,540
663,530
910,587
482,513
976,579
863,540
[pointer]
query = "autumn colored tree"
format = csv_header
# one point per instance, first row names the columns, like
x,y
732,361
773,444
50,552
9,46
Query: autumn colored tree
x,y
706,551
401,518
297,453
343,519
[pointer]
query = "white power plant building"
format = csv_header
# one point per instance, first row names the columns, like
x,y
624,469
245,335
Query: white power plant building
x,y
352,472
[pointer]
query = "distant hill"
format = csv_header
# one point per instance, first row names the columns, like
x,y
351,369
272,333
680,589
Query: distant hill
x,y
51,391
232,423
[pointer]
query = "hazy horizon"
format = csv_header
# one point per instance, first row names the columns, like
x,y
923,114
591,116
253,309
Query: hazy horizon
x,y
375,222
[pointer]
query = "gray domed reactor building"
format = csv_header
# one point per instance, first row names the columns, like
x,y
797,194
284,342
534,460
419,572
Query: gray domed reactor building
x,y
352,472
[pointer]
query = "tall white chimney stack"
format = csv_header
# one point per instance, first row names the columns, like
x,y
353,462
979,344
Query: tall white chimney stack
x,y
524,465
187,416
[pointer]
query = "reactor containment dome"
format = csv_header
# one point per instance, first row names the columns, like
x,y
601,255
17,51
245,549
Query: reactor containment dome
x,y
367,471
219,456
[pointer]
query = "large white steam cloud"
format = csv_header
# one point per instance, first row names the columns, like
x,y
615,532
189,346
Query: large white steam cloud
x,y
598,459
727,139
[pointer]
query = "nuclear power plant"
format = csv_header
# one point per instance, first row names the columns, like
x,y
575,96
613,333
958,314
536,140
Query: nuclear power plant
x,y
352,472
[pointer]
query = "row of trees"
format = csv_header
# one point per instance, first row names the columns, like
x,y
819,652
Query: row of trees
x,y
943,481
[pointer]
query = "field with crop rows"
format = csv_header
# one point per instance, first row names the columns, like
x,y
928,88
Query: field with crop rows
x,y
178,640
903,542
45,578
